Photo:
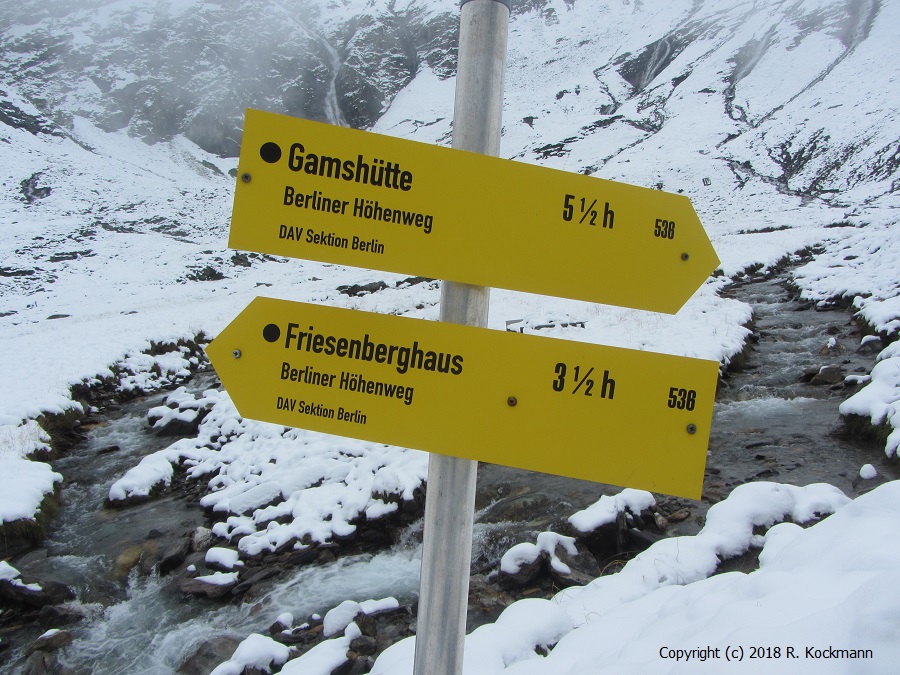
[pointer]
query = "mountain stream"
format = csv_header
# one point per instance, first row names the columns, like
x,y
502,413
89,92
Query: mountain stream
x,y
768,425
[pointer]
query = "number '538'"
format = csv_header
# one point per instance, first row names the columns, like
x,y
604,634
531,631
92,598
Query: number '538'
x,y
682,399
664,229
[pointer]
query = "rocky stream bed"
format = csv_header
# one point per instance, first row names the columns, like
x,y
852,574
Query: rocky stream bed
x,y
119,588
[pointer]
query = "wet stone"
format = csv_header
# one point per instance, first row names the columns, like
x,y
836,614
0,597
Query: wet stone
x,y
54,616
278,627
51,641
198,587
524,575
293,637
366,624
174,555
209,655
177,427
202,539
870,346
126,561
364,645
45,663
679,515
830,374
583,567
50,593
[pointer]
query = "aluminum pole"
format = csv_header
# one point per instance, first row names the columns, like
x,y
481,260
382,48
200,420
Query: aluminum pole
x,y
450,502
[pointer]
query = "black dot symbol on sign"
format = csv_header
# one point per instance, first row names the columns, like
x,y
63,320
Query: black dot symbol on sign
x,y
271,332
270,152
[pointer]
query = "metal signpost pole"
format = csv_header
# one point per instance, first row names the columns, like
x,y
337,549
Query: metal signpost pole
x,y
450,505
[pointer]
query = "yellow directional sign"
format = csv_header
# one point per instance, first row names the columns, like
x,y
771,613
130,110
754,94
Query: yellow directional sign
x,y
612,415
320,192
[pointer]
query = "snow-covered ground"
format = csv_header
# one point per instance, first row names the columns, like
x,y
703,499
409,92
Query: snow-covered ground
x,y
128,248
817,604
822,600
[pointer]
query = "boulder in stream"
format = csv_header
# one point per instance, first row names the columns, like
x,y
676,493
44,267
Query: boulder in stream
x,y
216,585
830,374
29,592
51,641
54,616
45,663
208,655
174,555
202,539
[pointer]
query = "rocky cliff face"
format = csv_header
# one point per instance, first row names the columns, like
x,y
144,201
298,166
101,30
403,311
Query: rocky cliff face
x,y
159,69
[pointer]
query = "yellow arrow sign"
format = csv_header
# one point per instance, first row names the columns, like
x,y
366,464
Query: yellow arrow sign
x,y
611,415
320,192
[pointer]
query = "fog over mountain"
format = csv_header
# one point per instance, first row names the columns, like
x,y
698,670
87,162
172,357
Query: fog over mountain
x,y
784,92
165,68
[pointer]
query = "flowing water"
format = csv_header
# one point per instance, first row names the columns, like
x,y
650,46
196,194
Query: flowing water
x,y
138,622
155,628
768,425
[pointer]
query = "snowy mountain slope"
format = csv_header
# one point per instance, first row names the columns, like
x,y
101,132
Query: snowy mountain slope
x,y
794,95
766,99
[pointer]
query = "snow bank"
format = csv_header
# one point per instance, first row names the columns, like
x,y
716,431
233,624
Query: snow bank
x,y
337,619
666,596
547,542
183,406
863,266
325,657
518,556
860,264
879,400
868,472
153,470
11,575
225,558
219,578
882,314
813,590
140,371
278,487
23,483
257,651
22,440
606,509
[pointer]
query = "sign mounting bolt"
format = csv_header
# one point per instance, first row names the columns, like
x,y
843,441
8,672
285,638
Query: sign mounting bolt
x,y
236,353
692,428
512,401
685,256
246,177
